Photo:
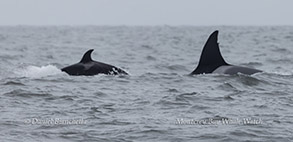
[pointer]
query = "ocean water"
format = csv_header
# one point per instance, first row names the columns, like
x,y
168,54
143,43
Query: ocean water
x,y
158,101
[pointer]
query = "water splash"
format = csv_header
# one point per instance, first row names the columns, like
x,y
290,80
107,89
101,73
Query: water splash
x,y
37,72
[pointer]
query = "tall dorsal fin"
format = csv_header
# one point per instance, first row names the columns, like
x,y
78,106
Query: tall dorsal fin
x,y
211,57
87,56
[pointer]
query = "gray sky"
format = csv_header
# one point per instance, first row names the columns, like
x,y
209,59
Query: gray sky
x,y
146,12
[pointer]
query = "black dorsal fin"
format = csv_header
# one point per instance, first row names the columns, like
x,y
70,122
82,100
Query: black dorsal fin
x,y
211,57
87,56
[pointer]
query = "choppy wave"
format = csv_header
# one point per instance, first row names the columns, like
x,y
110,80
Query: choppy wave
x,y
285,73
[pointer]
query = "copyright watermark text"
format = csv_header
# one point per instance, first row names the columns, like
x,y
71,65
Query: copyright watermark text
x,y
222,121
54,121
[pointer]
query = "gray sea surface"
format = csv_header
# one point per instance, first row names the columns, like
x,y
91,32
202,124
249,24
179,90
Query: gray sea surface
x,y
158,101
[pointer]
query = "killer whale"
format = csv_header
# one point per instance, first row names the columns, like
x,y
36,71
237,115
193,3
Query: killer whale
x,y
211,60
89,67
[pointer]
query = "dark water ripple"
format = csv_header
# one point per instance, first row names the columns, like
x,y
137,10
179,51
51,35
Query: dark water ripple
x,y
26,94
14,83
147,105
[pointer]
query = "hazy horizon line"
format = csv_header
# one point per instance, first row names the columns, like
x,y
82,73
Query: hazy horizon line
x,y
150,25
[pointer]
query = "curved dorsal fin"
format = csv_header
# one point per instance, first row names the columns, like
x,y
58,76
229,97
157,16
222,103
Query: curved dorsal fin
x,y
211,57
87,56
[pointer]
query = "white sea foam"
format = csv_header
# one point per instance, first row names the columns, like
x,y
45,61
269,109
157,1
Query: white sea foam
x,y
36,72
281,72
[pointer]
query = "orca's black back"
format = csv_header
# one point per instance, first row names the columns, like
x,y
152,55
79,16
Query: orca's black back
x,y
89,67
